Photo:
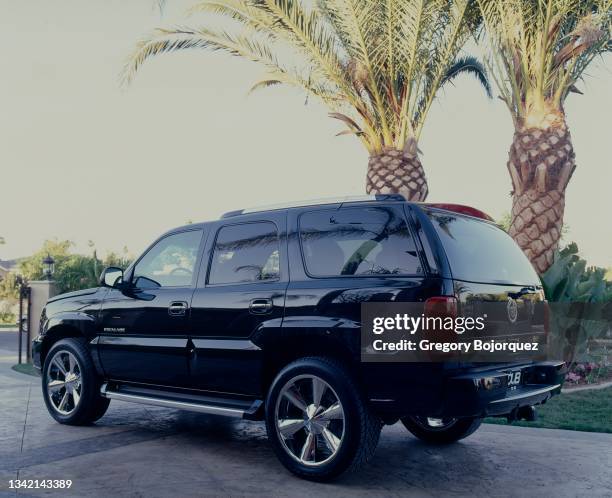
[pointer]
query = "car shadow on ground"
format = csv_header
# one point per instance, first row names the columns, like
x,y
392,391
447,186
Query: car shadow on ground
x,y
400,461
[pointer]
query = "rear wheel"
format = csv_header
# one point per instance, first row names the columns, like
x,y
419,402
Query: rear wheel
x,y
317,420
70,385
441,430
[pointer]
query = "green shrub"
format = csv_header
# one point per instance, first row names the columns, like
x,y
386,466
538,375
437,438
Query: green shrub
x,y
580,300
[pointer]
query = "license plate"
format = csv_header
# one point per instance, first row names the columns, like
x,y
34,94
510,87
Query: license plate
x,y
514,379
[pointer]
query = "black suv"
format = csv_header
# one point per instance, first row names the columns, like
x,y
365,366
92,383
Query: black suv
x,y
257,315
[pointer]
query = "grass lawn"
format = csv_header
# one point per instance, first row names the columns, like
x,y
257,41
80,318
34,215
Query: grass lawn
x,y
589,411
25,368
8,326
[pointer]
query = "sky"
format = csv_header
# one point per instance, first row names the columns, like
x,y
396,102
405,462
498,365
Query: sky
x,y
82,158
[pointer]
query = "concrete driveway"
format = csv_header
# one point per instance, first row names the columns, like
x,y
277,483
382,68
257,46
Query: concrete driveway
x,y
140,451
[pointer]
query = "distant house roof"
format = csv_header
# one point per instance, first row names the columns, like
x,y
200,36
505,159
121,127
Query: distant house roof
x,y
8,265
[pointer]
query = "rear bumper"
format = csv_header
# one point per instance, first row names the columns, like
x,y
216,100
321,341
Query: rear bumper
x,y
477,392
486,393
531,395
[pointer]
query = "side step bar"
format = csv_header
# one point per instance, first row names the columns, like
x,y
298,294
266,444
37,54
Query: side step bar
x,y
246,410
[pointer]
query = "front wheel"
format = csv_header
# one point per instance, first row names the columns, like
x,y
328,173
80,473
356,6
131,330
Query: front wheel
x,y
441,430
317,420
70,385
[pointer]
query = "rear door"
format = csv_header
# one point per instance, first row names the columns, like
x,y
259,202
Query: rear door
x,y
144,330
238,301
346,255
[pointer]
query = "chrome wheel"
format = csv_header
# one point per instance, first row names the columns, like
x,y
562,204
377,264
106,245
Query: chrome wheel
x,y
309,420
64,382
435,424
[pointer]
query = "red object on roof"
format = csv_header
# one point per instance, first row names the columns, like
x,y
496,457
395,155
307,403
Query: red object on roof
x,y
460,208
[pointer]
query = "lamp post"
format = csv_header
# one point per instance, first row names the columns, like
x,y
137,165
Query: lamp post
x,y
48,266
24,293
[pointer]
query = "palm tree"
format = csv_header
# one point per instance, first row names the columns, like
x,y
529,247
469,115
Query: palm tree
x,y
377,65
539,50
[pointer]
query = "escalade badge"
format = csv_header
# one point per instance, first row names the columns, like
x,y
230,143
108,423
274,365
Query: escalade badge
x,y
512,310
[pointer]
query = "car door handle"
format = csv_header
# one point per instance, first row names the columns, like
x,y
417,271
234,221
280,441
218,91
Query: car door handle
x,y
261,306
177,308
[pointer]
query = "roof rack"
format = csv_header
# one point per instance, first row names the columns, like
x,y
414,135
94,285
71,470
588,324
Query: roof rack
x,y
317,202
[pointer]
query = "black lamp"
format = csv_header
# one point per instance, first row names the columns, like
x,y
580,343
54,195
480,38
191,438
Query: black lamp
x,y
48,266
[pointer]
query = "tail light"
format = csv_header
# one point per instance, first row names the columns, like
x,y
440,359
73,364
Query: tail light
x,y
441,306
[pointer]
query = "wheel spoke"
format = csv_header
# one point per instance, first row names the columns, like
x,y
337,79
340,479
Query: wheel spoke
x,y
76,397
71,363
289,427
62,406
334,412
318,388
55,385
309,448
331,440
60,366
296,398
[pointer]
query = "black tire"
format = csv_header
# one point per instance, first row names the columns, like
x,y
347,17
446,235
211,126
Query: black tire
x,y
100,407
361,429
459,428
91,405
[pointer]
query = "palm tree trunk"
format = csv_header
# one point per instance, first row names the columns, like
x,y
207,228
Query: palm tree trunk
x,y
394,171
541,163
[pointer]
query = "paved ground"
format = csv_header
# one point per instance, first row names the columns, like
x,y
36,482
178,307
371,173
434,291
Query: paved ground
x,y
140,451
8,341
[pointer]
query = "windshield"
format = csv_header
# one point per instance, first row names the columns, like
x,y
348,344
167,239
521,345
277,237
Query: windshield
x,y
481,252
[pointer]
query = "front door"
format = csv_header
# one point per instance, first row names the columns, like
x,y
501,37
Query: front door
x,y
144,330
241,294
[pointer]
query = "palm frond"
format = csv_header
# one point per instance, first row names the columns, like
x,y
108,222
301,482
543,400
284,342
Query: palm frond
x,y
293,77
348,132
355,23
472,66
377,64
448,33
173,40
347,120
265,83
539,49
289,22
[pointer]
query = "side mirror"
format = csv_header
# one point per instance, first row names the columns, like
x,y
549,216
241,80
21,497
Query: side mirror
x,y
111,277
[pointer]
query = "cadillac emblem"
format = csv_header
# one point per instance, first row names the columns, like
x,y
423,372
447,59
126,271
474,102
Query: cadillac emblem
x,y
512,310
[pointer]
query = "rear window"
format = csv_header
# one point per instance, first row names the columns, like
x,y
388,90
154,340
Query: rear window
x,y
481,252
358,242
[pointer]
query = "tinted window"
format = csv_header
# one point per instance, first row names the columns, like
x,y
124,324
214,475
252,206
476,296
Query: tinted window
x,y
245,253
170,262
481,252
357,241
